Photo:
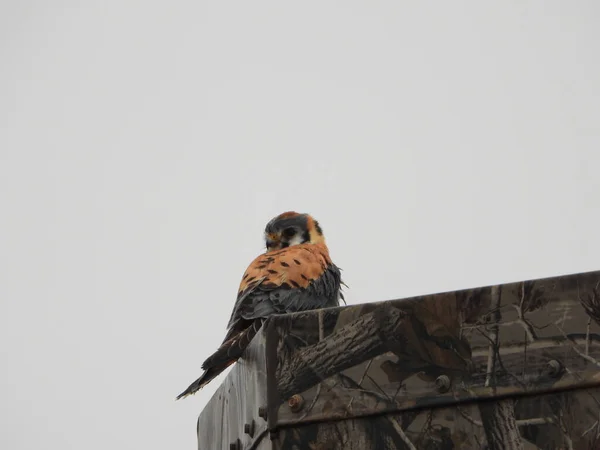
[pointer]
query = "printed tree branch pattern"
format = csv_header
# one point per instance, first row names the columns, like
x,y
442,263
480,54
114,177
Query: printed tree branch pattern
x,y
512,366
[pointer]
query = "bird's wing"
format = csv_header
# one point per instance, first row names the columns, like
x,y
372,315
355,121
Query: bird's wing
x,y
296,278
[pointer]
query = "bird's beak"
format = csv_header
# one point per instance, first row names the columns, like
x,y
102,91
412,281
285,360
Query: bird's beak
x,y
271,243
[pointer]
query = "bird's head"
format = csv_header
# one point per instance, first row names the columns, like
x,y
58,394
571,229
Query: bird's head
x,y
292,228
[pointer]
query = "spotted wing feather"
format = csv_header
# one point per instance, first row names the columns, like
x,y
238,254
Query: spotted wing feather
x,y
297,278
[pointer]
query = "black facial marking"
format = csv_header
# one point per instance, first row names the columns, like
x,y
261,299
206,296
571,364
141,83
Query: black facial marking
x,y
271,271
304,277
305,236
250,279
289,232
297,262
318,227
294,283
284,264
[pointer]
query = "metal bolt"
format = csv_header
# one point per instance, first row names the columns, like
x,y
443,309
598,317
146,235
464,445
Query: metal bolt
x,y
237,445
249,428
296,402
442,383
554,368
262,412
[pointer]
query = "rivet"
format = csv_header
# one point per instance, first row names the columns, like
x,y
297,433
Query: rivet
x,y
249,428
262,412
296,402
554,368
442,383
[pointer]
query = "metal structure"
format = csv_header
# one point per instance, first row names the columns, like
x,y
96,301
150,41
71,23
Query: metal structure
x,y
513,366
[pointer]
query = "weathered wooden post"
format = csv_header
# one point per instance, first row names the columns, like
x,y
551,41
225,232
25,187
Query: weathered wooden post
x,y
513,366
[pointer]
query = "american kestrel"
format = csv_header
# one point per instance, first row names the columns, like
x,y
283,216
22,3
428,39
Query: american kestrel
x,y
294,274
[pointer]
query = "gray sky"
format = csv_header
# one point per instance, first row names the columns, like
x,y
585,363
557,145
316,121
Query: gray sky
x,y
144,145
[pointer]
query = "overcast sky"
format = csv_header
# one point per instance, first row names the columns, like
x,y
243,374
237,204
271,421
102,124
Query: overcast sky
x,y
144,145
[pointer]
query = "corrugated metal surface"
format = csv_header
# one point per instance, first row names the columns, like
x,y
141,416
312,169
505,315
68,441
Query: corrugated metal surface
x,y
414,373
234,406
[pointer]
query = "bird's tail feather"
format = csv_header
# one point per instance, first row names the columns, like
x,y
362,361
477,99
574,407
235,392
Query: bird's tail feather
x,y
206,378
228,353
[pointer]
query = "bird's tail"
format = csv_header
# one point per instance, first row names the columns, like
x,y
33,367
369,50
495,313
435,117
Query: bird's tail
x,y
228,353
206,378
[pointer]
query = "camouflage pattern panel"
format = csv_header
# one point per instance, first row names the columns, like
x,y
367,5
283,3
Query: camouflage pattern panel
x,y
232,417
556,421
532,349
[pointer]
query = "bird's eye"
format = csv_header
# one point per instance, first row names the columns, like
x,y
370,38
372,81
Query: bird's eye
x,y
289,232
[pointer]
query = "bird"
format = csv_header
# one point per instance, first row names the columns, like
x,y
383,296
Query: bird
x,y
294,274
